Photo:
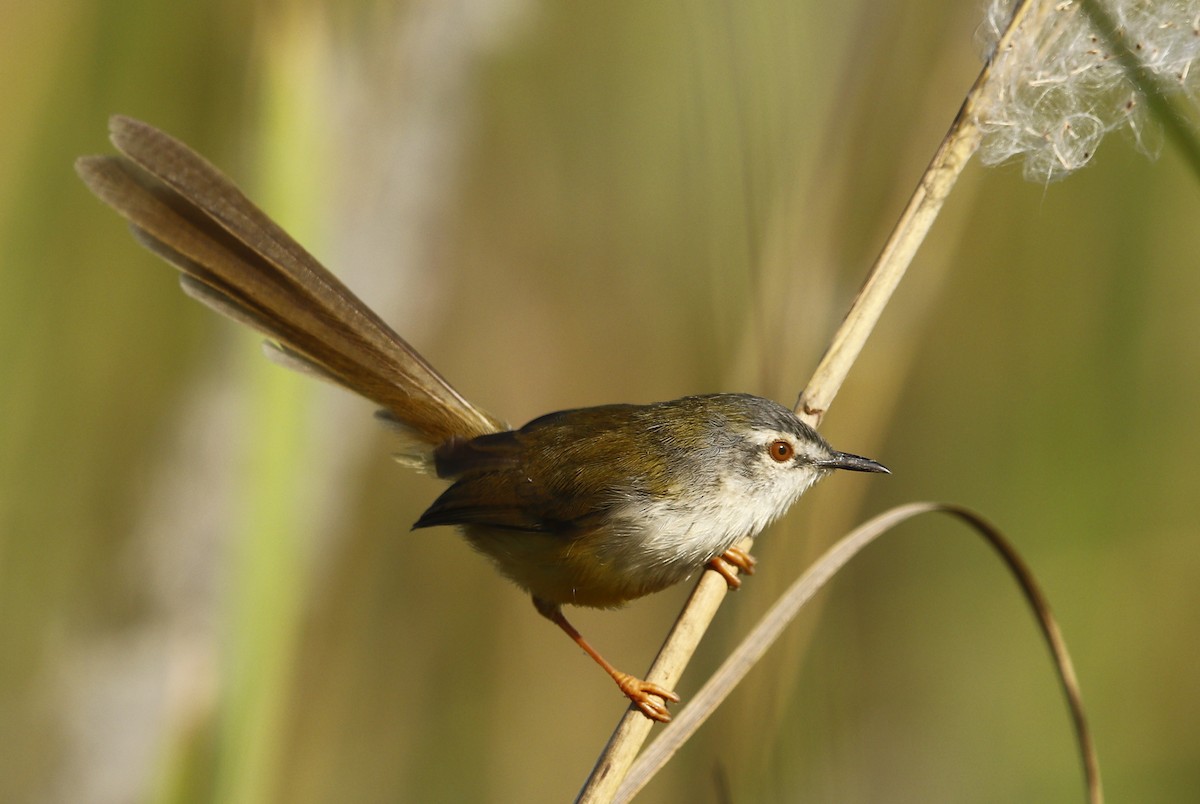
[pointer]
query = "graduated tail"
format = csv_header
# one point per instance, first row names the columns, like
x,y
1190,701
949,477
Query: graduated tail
x,y
239,262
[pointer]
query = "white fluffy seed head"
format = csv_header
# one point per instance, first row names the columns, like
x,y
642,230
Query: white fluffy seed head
x,y
1059,89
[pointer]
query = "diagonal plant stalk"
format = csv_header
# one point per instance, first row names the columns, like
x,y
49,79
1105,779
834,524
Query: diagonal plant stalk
x,y
756,643
957,147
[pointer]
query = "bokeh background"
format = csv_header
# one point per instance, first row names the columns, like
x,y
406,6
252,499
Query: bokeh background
x,y
208,588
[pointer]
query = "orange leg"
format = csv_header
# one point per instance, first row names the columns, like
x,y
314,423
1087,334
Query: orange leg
x,y
728,561
640,692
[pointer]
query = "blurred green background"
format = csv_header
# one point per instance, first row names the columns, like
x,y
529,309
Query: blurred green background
x,y
208,589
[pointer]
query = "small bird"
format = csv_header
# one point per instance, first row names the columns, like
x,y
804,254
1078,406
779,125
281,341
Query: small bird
x,y
589,507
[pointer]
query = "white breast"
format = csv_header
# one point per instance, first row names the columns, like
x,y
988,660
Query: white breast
x,y
662,542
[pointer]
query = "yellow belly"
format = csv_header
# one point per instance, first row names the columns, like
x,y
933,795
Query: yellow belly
x,y
589,569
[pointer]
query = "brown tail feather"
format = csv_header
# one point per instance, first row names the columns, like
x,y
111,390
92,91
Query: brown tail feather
x,y
242,264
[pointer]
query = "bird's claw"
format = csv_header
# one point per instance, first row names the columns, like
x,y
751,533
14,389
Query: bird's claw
x,y
650,698
727,561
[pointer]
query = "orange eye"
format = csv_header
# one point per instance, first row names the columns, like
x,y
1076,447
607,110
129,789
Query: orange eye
x,y
781,450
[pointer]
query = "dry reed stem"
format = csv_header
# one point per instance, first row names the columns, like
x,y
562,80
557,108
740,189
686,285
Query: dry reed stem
x,y
769,628
957,147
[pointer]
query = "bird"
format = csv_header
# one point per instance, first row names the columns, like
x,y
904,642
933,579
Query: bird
x,y
590,507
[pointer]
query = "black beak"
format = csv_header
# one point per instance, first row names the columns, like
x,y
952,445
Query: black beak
x,y
853,463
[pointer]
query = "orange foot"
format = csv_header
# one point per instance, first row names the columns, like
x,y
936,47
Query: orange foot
x,y
727,561
642,692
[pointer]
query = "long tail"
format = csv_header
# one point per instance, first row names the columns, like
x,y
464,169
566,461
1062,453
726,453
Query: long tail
x,y
239,262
